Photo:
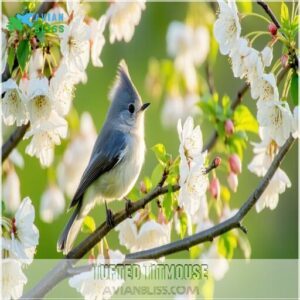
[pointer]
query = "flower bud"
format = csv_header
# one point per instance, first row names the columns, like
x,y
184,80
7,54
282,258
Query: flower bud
x,y
233,182
143,187
217,161
272,29
284,60
229,127
161,218
215,188
235,164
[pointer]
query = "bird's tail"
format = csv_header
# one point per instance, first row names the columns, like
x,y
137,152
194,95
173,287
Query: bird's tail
x,y
71,230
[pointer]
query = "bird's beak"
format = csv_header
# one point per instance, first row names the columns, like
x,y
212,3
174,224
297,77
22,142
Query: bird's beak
x,y
144,106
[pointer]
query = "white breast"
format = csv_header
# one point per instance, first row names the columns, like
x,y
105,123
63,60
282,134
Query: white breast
x,y
117,183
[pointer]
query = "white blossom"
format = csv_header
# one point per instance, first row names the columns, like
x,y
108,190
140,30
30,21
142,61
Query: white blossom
x,y
13,104
44,137
187,44
11,191
70,169
265,88
296,122
36,62
13,279
264,152
75,45
193,189
227,28
97,40
176,107
267,56
93,288
52,204
24,235
38,102
123,17
149,235
62,89
276,186
190,149
217,264
277,118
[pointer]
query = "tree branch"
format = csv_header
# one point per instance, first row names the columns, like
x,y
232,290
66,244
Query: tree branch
x,y
60,271
233,222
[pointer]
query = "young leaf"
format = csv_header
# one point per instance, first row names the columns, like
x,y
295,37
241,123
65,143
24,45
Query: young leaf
x,y
88,225
23,53
244,120
11,58
294,88
284,15
160,152
168,204
183,224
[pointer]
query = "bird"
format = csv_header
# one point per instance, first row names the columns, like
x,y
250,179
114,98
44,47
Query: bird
x,y
116,160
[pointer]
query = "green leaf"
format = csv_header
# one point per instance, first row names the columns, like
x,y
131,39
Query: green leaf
x,y
183,221
168,203
156,174
244,7
11,58
89,225
160,152
284,15
294,88
226,244
244,120
23,53
14,24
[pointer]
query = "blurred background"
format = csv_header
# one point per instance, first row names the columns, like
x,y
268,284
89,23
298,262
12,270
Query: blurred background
x,y
272,234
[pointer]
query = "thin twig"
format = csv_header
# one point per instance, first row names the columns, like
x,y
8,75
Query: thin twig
x,y
268,10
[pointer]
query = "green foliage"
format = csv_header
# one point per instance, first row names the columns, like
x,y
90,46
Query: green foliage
x,y
245,7
294,88
11,58
289,24
160,153
183,223
14,24
167,203
156,174
23,53
244,120
284,14
227,244
89,225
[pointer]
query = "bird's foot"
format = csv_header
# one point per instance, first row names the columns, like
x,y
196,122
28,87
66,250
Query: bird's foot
x,y
128,206
109,217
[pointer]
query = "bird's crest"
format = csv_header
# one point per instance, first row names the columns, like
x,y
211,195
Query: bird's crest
x,y
123,84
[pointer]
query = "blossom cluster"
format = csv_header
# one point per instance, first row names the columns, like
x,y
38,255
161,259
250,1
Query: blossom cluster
x,y
19,240
275,118
45,98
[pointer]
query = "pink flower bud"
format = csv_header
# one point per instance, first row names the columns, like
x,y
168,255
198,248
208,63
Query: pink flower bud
x,y
217,161
215,188
143,187
229,127
161,218
284,60
272,29
235,164
233,182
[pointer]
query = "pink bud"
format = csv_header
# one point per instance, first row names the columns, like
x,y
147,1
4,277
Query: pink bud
x,y
229,127
284,60
215,188
235,164
143,187
161,218
217,161
233,182
272,29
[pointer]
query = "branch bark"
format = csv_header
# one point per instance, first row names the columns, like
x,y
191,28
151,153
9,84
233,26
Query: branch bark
x,y
269,12
60,271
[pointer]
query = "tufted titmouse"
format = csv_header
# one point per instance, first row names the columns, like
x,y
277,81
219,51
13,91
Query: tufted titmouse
x,y
116,160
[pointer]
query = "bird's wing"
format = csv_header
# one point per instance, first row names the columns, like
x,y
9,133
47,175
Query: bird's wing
x,y
109,154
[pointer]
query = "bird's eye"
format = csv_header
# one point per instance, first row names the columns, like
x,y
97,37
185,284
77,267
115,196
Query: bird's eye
x,y
131,108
